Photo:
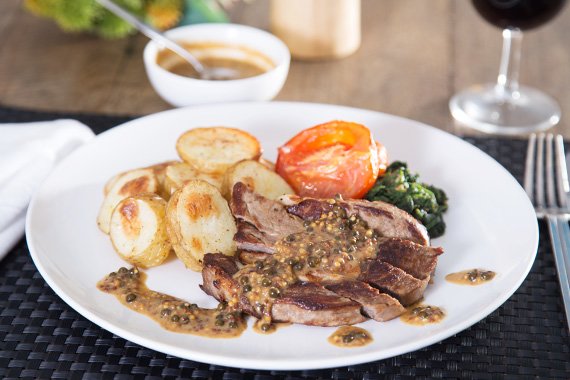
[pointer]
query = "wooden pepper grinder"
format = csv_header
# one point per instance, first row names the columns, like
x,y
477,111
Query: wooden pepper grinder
x,y
317,29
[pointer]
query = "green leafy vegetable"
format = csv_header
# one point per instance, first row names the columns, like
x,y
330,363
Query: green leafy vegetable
x,y
89,16
401,188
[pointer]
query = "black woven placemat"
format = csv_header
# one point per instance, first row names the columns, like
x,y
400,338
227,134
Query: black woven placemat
x,y
42,337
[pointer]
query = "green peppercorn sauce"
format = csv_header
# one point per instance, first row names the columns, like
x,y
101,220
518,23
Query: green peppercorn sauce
x,y
173,314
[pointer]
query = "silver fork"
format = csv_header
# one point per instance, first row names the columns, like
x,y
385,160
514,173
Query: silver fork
x,y
546,184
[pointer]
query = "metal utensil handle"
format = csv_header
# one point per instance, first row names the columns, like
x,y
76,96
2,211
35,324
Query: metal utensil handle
x,y
564,229
560,248
152,33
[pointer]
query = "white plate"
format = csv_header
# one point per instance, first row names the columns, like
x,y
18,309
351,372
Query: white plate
x,y
490,224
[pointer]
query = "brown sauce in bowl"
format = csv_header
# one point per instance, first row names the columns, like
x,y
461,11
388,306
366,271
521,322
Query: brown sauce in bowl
x,y
350,336
242,61
173,314
471,277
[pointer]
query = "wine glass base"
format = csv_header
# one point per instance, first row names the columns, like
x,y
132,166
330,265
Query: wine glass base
x,y
486,109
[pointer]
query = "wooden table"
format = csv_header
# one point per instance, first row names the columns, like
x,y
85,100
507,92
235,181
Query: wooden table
x,y
415,55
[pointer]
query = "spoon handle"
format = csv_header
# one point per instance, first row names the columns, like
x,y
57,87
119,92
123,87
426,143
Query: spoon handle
x,y
152,33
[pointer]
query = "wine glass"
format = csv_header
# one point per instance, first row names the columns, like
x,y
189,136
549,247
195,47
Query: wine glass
x,y
506,107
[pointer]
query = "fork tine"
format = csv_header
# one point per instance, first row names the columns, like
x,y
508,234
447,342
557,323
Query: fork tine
x,y
562,173
539,171
529,167
556,216
550,188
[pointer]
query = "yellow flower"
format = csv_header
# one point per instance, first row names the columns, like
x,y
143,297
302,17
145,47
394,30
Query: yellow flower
x,y
164,14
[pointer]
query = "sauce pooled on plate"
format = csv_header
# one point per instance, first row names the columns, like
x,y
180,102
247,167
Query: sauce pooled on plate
x,y
421,315
471,277
173,314
350,336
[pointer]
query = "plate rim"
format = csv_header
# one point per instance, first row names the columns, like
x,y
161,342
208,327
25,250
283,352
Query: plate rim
x,y
275,364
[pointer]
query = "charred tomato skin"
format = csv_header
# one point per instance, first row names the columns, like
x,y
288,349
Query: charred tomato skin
x,y
333,158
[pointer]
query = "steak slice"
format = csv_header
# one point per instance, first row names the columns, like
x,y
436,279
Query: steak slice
x,y
269,217
250,257
378,306
217,276
249,238
312,304
386,219
418,260
394,281
218,281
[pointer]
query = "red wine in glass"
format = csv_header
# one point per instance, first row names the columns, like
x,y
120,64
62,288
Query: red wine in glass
x,y
522,14
506,107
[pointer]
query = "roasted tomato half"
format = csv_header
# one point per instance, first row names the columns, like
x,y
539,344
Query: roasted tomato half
x,y
382,157
337,157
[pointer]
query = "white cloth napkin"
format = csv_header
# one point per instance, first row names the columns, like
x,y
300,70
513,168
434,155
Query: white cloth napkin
x,y
28,152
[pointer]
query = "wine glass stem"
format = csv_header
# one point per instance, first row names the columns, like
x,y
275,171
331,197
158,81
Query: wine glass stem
x,y
508,79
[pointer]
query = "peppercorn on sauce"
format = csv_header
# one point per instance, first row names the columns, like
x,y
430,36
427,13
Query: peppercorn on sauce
x,y
335,244
420,315
471,277
263,328
173,314
350,336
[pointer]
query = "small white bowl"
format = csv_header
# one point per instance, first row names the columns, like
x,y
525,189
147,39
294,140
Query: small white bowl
x,y
184,91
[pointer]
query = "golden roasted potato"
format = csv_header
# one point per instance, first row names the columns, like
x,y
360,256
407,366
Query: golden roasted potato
x,y
175,234
160,173
215,149
124,185
268,164
199,221
257,177
178,174
158,170
138,230
110,183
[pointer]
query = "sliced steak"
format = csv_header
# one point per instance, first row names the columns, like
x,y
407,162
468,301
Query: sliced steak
x,y
217,273
328,273
250,257
312,304
418,260
394,281
322,276
218,281
249,238
378,306
269,217
306,303
386,219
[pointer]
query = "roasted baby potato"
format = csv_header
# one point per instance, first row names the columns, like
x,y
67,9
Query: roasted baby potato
x,y
215,149
257,177
160,173
178,174
138,230
126,184
110,183
175,234
268,164
199,221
